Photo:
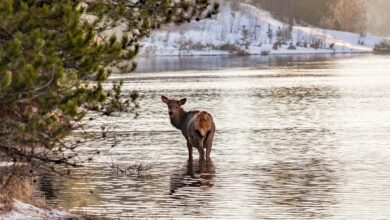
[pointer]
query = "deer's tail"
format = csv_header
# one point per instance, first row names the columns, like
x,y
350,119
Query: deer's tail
x,y
203,123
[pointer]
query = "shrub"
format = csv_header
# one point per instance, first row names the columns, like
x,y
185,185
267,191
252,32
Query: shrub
x,y
292,47
382,47
265,52
242,53
315,45
276,45
229,47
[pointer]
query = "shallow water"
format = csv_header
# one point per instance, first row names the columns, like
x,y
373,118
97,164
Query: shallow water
x,y
297,138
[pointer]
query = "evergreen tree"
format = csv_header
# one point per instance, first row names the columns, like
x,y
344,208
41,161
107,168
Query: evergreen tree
x,y
279,35
245,37
270,33
54,57
290,30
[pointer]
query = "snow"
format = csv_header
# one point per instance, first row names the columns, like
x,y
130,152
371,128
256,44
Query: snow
x,y
208,36
23,211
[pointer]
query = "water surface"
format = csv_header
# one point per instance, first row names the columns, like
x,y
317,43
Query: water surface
x,y
297,138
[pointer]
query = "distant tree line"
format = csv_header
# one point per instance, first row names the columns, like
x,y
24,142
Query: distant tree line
x,y
345,15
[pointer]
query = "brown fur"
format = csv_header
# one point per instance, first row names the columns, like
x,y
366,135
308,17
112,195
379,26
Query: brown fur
x,y
203,123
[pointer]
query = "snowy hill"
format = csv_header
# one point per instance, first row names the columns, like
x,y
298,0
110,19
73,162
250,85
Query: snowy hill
x,y
250,30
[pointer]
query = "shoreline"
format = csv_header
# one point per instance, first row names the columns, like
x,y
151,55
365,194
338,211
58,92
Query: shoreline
x,y
23,210
256,54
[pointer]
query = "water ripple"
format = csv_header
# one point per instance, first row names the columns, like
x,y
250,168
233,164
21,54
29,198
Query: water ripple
x,y
312,146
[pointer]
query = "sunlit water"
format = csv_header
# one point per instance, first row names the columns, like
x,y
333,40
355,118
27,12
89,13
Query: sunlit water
x,y
297,138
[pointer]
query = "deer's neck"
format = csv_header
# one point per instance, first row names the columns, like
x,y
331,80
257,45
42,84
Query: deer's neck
x,y
178,120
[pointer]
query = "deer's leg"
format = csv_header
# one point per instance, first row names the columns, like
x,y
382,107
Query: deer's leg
x,y
200,149
189,146
190,170
201,153
202,166
208,143
197,142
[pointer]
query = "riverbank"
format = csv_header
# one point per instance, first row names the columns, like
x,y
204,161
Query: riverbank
x,y
23,211
249,30
272,53
18,200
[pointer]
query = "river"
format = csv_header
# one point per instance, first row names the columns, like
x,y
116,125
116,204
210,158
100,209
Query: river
x,y
298,137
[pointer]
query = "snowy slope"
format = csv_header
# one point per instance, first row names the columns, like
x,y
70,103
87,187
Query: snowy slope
x,y
224,35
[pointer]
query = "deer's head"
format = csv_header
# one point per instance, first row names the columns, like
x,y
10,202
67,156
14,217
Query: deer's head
x,y
174,106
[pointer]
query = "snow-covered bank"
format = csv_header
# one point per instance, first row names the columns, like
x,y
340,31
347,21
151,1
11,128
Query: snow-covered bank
x,y
24,211
250,30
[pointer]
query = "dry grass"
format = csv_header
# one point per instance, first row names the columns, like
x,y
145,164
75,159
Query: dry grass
x,y
15,183
139,169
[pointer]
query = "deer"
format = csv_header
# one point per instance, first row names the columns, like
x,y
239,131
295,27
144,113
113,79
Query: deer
x,y
197,127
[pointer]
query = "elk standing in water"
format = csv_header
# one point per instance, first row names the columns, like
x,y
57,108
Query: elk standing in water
x,y
197,127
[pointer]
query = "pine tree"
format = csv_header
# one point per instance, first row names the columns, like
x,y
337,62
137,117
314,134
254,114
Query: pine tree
x,y
279,35
54,57
290,30
270,33
245,36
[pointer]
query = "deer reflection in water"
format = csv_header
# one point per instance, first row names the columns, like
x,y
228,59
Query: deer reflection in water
x,y
197,175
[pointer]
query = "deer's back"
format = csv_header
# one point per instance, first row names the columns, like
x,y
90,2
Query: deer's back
x,y
200,122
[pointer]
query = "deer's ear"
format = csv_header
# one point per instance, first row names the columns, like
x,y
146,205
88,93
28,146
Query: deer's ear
x,y
183,101
165,99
